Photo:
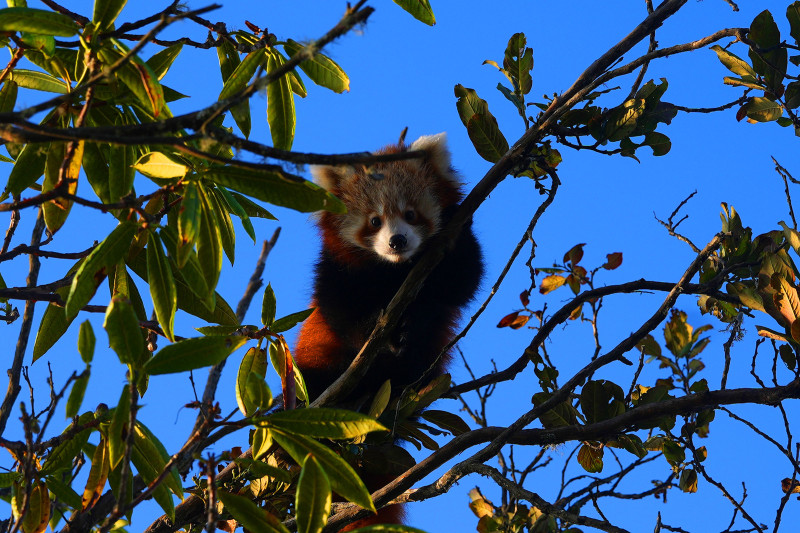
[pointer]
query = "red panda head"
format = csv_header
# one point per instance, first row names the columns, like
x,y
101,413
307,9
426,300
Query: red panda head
x,y
392,208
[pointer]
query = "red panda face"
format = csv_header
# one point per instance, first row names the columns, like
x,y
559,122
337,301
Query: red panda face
x,y
392,208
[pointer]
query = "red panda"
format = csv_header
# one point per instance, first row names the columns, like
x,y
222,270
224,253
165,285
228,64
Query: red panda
x,y
393,210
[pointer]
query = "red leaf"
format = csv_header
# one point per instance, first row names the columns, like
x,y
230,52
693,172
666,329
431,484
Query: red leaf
x,y
507,320
614,260
575,254
524,297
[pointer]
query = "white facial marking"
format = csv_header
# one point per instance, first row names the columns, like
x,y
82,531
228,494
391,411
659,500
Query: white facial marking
x,y
403,233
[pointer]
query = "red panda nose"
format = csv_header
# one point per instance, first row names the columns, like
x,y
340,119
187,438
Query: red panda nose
x,y
398,242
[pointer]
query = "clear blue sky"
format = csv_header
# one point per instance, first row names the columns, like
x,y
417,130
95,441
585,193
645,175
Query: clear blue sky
x,y
402,74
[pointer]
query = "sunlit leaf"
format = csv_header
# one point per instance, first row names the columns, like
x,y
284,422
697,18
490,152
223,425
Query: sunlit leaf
x,y
253,362
160,166
280,105
322,423
98,474
193,353
162,285
20,19
419,9
321,69
106,11
590,457
481,125
250,515
57,210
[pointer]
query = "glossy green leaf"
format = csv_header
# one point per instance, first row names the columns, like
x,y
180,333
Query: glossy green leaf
x,y
235,208
57,210
250,515
419,9
268,306
289,321
28,167
323,423
75,398
280,189
147,456
251,208
118,429
136,75
448,421
162,285
262,469
8,97
38,81
481,125
622,121
61,457
228,62
121,173
95,166
124,334
313,497
262,441
193,353
63,492
344,481
659,142
44,43
247,396
86,342
242,74
37,21
160,166
209,241
106,12
190,274
225,224
189,216
162,60
52,327
280,106
99,263
321,69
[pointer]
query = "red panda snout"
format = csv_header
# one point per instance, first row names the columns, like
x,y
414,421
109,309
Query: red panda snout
x,y
397,240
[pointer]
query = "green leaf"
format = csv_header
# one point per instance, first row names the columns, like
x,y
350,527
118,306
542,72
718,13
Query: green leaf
x,y
8,97
688,481
106,12
280,105
124,334
419,9
226,231
622,120
322,423
52,327
150,458
344,481
659,142
38,81
28,167
86,342
321,69
262,441
161,61
160,166
601,400
57,210
673,452
481,125
189,217
37,21
250,515
250,207
313,497
60,458
162,285
118,429
247,396
121,172
289,321
448,421
262,469
761,109
95,165
209,241
733,62
75,398
793,14
241,76
235,208
63,492
98,264
136,75
193,353
518,62
771,62
268,306
590,457
276,188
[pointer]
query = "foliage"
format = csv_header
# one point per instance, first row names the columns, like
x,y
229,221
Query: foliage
x,y
170,187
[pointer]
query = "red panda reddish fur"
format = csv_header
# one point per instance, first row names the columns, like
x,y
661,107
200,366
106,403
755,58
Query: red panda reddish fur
x,y
393,211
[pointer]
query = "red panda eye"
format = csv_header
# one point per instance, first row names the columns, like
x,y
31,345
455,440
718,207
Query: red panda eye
x,y
375,222
410,215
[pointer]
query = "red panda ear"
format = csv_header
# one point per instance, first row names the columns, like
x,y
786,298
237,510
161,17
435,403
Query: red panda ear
x,y
438,155
331,178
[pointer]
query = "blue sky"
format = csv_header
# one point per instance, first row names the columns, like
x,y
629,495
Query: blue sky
x,y
402,74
